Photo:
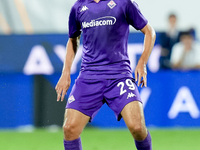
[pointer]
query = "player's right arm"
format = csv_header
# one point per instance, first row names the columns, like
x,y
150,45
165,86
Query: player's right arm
x,y
71,48
65,80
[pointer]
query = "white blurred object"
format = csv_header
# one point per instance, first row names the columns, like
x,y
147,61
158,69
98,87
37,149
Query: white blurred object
x,y
26,128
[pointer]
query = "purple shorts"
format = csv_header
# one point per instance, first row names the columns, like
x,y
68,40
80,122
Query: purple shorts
x,y
88,95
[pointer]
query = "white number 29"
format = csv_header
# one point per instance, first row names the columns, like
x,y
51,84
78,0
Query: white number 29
x,y
129,83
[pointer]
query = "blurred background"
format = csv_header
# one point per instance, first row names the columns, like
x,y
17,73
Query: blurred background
x,y
33,35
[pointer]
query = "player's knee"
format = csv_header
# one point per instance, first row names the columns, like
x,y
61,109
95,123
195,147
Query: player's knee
x,y
69,129
136,129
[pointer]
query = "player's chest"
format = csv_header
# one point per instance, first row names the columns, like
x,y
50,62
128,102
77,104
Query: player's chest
x,y
104,12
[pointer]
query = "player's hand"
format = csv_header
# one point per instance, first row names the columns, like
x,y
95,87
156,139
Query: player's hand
x,y
141,74
62,86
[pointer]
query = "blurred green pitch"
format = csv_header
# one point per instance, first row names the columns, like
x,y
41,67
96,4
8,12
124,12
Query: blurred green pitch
x,y
100,139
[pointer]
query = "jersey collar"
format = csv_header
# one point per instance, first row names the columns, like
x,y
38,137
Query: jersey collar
x,y
93,0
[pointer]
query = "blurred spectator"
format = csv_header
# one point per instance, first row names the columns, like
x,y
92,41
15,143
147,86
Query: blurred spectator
x,y
186,53
167,40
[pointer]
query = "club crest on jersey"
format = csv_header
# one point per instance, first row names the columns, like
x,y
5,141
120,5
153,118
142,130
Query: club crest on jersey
x,y
111,4
71,99
84,8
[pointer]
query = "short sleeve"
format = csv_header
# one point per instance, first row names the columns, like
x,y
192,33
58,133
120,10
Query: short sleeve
x,y
134,15
74,25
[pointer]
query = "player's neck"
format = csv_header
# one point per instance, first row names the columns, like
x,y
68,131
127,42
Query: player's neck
x,y
97,1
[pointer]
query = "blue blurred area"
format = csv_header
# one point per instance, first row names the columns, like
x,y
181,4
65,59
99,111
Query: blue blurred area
x,y
15,49
171,99
16,100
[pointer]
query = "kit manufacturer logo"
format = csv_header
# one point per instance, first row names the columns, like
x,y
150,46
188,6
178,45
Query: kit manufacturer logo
x,y
130,95
84,8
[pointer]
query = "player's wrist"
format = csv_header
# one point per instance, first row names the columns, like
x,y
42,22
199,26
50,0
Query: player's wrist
x,y
65,72
142,61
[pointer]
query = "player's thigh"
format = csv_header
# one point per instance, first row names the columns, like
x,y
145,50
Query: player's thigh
x,y
75,121
120,93
133,115
86,96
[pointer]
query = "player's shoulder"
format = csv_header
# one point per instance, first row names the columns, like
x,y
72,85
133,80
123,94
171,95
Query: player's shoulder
x,y
122,2
78,3
81,1
126,3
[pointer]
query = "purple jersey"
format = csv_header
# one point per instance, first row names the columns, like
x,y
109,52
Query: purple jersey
x,y
105,30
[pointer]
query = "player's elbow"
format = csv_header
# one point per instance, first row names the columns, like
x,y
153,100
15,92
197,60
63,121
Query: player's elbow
x,y
152,33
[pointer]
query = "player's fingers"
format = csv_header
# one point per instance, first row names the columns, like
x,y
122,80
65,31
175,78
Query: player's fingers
x,y
145,80
145,76
59,94
63,95
142,83
139,80
136,75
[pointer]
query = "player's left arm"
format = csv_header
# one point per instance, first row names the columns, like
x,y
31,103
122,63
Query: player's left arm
x,y
149,40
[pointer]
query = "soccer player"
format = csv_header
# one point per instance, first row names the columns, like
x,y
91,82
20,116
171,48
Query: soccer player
x,y
105,75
